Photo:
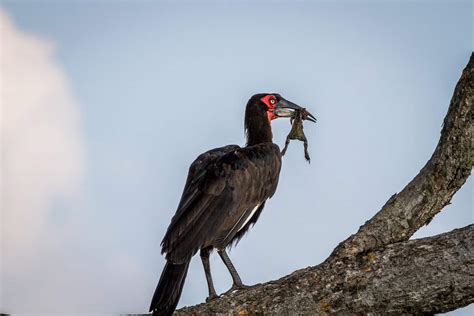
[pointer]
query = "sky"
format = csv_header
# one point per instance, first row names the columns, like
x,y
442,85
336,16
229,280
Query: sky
x,y
105,105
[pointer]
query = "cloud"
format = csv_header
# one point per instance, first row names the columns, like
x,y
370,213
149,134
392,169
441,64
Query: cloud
x,y
43,155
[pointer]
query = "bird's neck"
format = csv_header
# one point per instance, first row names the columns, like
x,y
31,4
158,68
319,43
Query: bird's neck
x,y
258,128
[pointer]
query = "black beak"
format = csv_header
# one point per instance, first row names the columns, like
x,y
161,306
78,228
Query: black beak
x,y
286,108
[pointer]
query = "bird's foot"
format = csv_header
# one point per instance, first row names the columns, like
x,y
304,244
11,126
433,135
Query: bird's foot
x,y
236,287
211,297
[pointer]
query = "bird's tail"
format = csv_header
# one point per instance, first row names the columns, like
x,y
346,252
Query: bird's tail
x,y
169,289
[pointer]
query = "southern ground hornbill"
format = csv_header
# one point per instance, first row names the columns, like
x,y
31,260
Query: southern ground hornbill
x,y
224,194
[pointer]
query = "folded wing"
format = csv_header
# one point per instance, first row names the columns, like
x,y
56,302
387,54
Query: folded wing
x,y
224,194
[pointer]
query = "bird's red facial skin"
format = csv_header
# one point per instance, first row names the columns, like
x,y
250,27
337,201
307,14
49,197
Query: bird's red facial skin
x,y
271,116
270,101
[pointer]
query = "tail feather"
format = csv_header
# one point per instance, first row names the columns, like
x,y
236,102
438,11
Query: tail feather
x,y
169,289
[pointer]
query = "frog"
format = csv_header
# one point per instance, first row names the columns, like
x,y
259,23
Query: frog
x,y
297,132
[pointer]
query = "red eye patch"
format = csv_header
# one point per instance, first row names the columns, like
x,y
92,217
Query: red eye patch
x,y
269,100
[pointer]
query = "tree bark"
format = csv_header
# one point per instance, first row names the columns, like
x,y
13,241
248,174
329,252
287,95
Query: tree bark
x,y
377,270
423,276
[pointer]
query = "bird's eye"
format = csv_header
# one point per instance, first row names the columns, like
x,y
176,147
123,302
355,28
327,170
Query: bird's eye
x,y
272,101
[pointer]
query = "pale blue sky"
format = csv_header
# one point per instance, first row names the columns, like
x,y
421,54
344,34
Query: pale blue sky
x,y
158,83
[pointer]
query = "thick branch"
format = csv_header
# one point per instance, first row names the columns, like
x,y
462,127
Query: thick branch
x,y
429,275
434,186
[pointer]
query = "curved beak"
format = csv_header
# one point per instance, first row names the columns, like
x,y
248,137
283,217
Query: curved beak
x,y
286,108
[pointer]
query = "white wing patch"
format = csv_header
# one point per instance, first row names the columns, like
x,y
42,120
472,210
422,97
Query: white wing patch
x,y
250,216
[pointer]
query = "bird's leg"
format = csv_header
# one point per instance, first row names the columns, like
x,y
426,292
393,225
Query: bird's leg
x,y
237,282
207,269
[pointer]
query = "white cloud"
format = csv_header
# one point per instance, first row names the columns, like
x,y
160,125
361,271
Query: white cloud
x,y
42,146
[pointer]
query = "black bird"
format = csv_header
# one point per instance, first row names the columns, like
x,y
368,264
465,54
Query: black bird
x,y
224,194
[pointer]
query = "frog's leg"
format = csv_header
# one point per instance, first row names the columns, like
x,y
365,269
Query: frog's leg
x,y
287,142
306,154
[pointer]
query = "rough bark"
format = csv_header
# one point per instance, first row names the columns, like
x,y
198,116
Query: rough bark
x,y
377,270
429,275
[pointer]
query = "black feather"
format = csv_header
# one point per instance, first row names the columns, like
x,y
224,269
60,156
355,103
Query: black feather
x,y
223,187
169,289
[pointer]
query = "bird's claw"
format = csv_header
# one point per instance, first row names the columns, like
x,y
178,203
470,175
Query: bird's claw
x,y
211,297
236,287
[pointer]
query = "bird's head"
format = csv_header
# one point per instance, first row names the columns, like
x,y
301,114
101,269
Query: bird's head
x,y
261,109
276,106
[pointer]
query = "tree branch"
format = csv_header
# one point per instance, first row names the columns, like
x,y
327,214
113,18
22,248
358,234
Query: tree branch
x,y
377,270
428,275
434,186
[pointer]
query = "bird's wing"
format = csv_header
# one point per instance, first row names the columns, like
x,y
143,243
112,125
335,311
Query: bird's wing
x,y
192,194
196,176
249,218
222,186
